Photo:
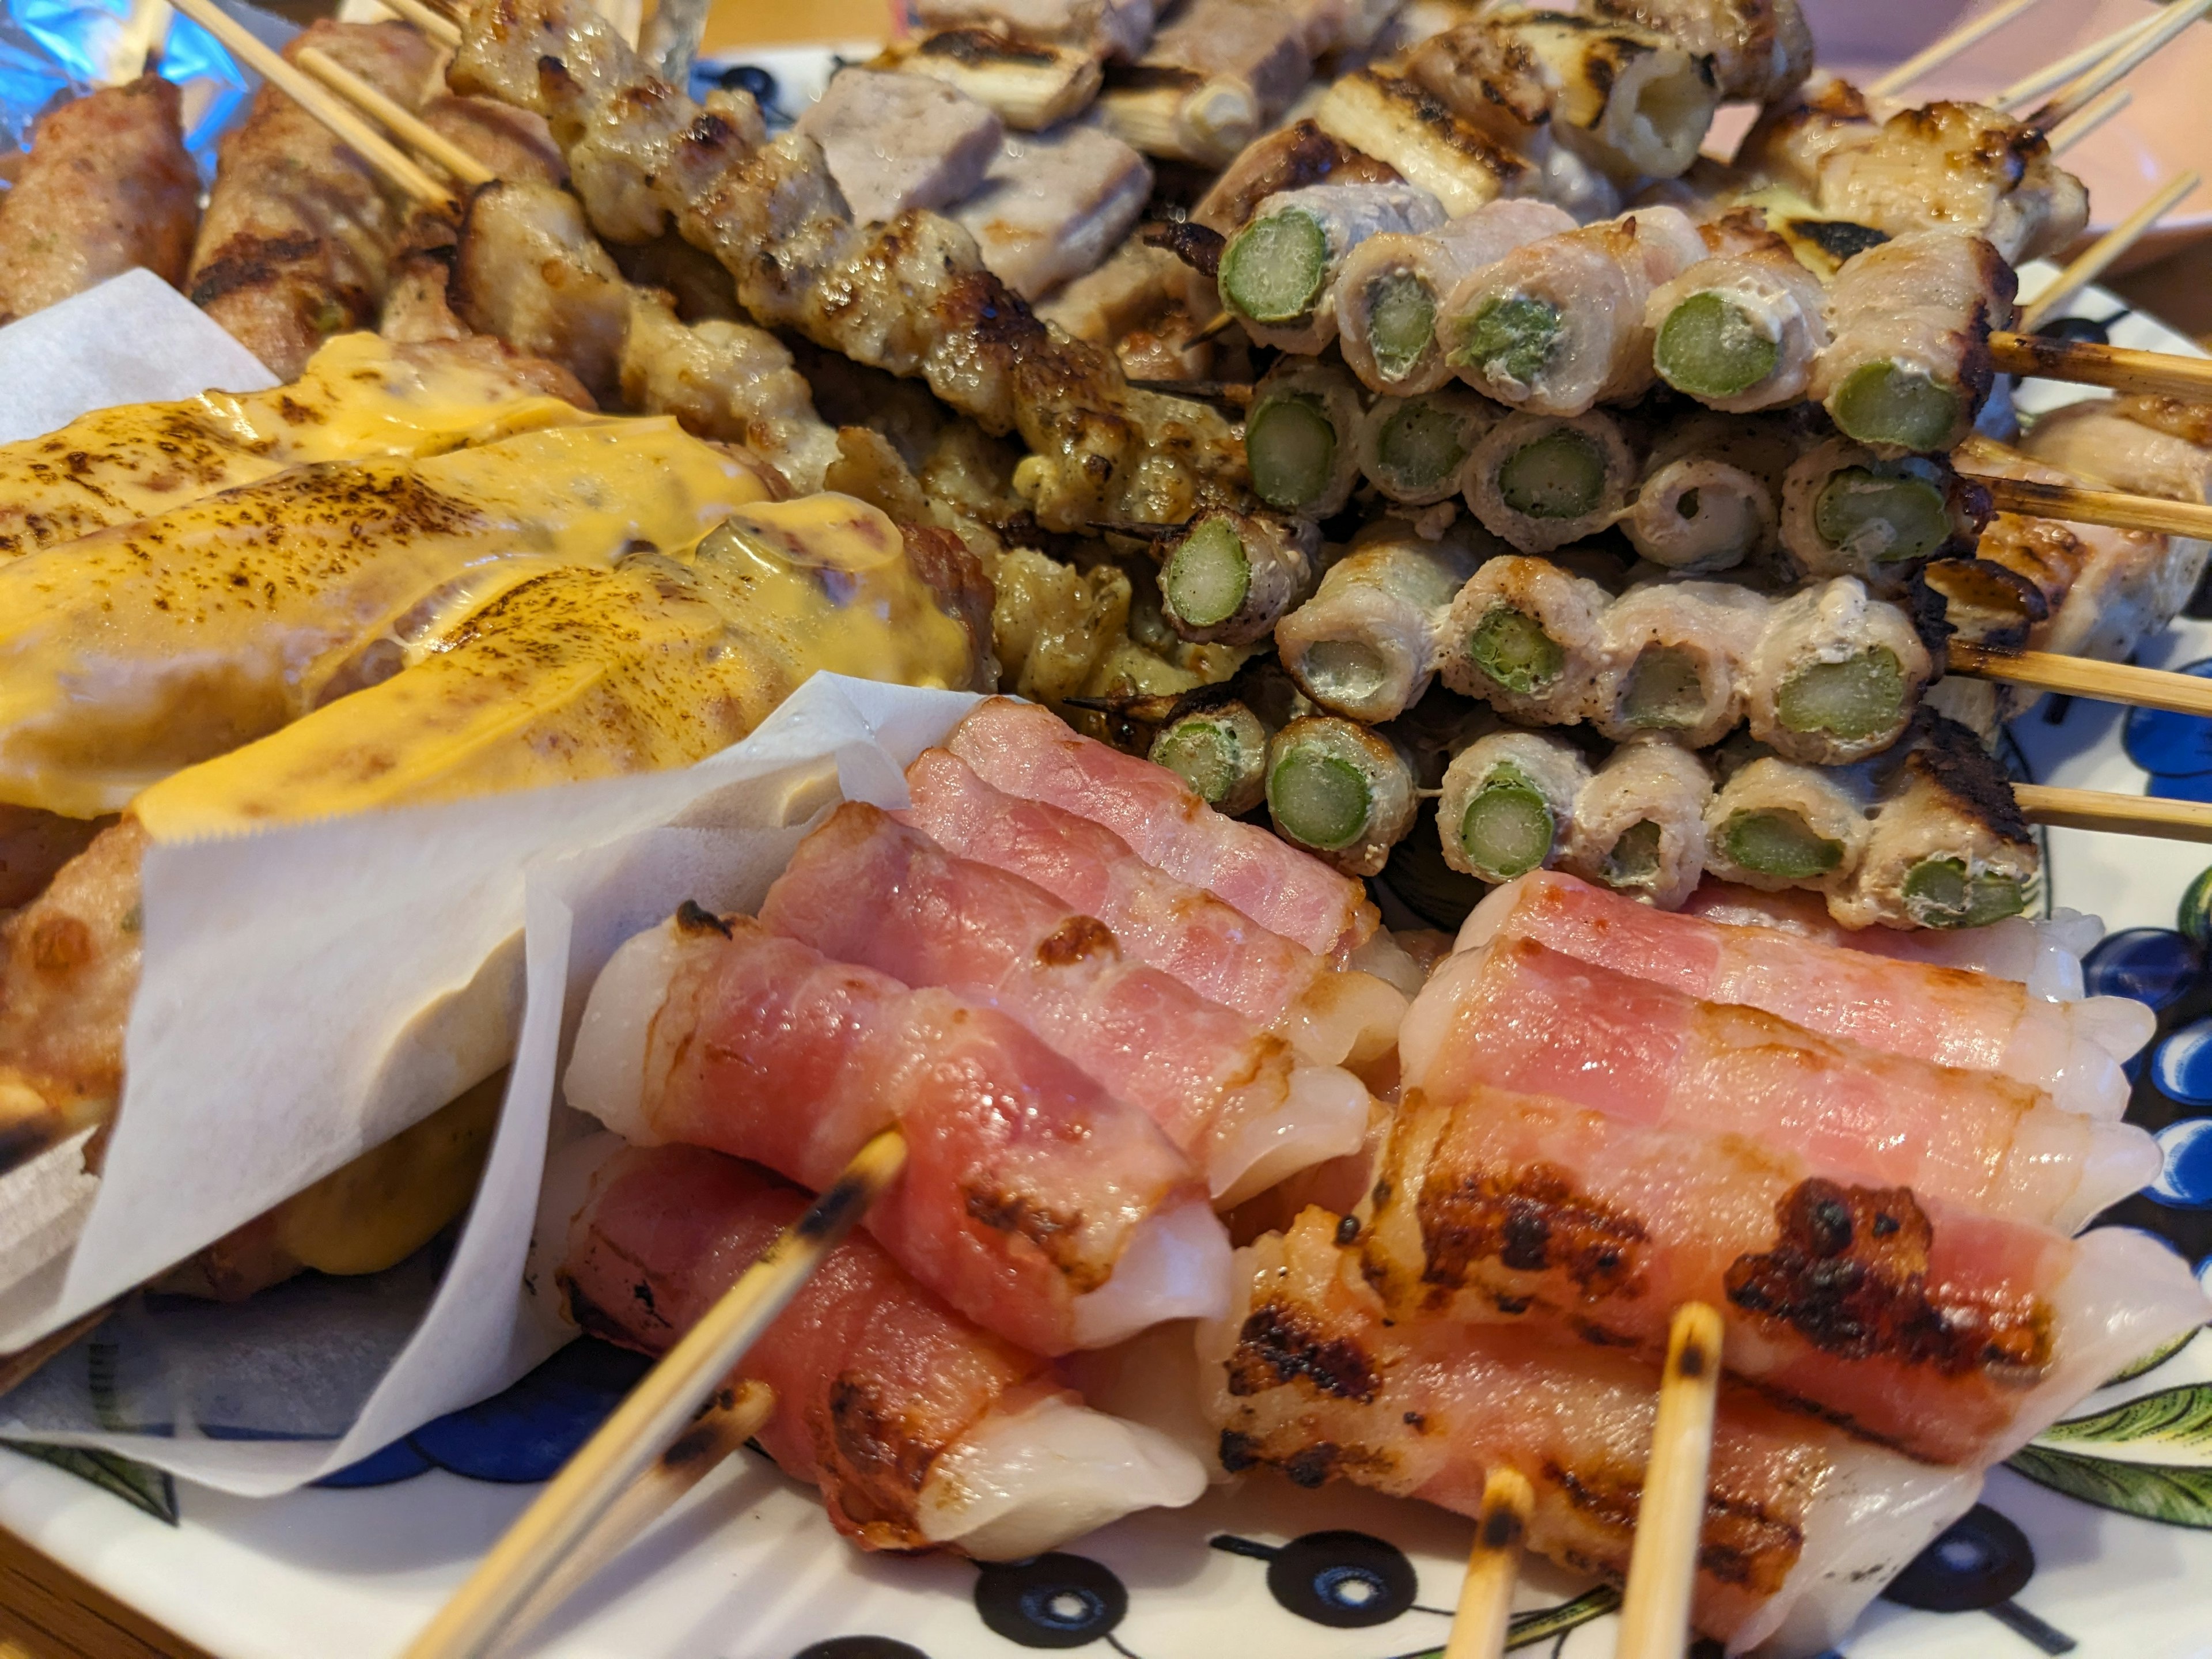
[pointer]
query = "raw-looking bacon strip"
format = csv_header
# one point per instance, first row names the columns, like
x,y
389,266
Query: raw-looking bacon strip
x,y
1952,1017
919,1428
1950,1336
867,889
1040,1206
1212,947
1519,1015
1310,1376
1026,750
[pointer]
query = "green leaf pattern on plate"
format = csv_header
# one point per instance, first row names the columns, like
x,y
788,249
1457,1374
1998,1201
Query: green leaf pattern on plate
x,y
2177,1497
2172,1426
2151,1361
147,1489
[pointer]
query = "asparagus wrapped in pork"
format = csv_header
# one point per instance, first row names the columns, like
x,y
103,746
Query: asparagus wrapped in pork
x,y
1509,803
1836,676
1741,330
1413,449
1529,638
1391,287
1846,511
1947,847
1340,790
1542,481
1301,437
1776,824
1227,579
1677,658
1639,823
1279,274
1907,366
1366,645
1221,752
1558,326
1712,492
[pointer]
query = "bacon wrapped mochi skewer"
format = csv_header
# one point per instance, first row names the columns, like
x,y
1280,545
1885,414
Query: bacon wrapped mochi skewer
x,y
2073,1051
970,1443
1519,1015
107,185
1239,1102
1309,1375
1947,1335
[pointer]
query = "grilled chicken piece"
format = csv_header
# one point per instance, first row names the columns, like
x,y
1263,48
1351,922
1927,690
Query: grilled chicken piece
x,y
107,186
1758,49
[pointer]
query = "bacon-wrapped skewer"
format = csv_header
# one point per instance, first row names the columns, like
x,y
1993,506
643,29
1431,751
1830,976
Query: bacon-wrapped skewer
x,y
972,1444
2072,1051
1950,1336
1518,1015
1042,1207
1309,1375
865,890
107,185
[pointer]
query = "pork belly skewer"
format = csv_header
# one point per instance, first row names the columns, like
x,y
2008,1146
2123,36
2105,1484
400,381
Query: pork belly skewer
x,y
1482,1617
107,185
1099,450
1213,75
1328,1016
865,890
1517,1015
2071,1050
1066,1220
635,1244
1664,1561
1800,1526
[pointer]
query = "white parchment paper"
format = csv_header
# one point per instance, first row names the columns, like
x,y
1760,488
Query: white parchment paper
x,y
309,991
134,339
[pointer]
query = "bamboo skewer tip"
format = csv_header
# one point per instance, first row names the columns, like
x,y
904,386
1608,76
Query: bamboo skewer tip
x,y
1662,1564
2100,255
1976,27
2077,93
1484,1611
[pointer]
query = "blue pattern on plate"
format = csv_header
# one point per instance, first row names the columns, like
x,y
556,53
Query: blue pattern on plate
x,y
2186,1182
2181,1064
2176,749
2154,965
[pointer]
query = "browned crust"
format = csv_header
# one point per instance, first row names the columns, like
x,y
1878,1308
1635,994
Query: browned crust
x,y
962,587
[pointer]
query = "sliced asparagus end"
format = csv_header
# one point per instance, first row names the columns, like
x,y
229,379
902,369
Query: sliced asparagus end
x,y
1207,576
1420,444
1878,519
1206,755
1776,842
1939,893
1887,403
1273,269
1510,339
1560,475
1291,448
1512,648
1319,799
1507,829
1665,690
1859,697
1401,321
1634,860
1711,347
1344,672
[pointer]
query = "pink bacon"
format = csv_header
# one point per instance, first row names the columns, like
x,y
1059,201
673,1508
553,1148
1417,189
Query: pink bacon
x,y
1217,950
867,889
1518,1016
1952,1336
1945,1015
1027,751
1035,1202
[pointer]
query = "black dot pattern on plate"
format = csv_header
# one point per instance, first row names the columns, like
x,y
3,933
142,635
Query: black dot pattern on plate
x,y
1346,1580
1980,1560
859,1647
1050,1601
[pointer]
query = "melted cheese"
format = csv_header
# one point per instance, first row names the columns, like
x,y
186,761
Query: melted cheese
x,y
128,654
359,398
582,672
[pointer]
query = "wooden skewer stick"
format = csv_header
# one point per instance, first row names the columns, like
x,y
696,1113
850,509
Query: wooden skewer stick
x,y
657,1411
2084,676
2097,256
2115,814
1486,1598
1977,27
1221,321
1662,1564
2153,374
2029,88
435,26
319,101
2076,93
403,123
2105,506
732,1418
2075,128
